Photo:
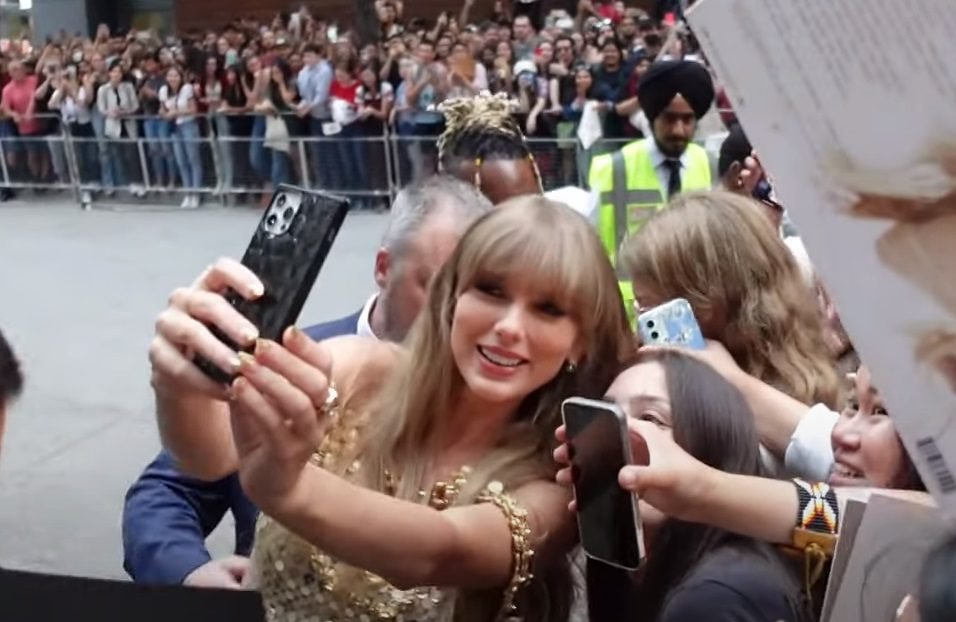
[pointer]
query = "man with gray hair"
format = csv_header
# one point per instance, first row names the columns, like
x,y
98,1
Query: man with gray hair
x,y
427,220
167,516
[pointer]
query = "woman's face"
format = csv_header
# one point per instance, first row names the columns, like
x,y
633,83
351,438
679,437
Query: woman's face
x,y
545,53
504,51
443,47
509,340
612,55
116,75
641,68
583,80
641,393
174,78
578,40
212,66
367,77
222,46
866,449
254,64
487,57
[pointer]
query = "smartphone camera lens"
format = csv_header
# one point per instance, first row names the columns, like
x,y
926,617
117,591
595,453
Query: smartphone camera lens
x,y
655,335
288,213
280,202
272,220
650,323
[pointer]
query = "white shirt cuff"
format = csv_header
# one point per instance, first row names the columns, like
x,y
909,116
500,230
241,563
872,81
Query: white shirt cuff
x,y
810,452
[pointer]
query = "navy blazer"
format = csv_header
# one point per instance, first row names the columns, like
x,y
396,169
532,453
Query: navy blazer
x,y
168,516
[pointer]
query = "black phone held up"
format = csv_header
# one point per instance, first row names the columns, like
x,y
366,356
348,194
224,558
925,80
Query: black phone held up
x,y
608,521
289,247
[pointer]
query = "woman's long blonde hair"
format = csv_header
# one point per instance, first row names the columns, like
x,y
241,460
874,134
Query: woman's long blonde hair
x,y
717,250
540,242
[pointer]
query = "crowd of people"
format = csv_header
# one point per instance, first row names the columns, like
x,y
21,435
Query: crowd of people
x,y
263,86
408,461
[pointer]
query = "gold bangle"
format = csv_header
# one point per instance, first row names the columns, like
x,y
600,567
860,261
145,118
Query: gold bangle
x,y
521,550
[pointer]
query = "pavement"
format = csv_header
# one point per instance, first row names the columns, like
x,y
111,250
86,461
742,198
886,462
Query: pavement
x,y
79,292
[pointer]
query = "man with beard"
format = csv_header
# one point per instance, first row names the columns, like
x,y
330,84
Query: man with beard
x,y
632,184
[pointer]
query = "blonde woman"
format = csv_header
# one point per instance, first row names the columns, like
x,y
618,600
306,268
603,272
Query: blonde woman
x,y
720,252
424,490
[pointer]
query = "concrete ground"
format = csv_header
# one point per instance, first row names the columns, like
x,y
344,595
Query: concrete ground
x,y
79,292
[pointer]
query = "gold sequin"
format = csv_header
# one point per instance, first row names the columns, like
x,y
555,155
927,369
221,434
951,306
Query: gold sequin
x,y
297,581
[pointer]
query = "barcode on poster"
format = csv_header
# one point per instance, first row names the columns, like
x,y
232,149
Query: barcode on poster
x,y
937,465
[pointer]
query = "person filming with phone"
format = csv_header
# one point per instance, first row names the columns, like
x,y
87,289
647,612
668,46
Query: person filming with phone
x,y
692,571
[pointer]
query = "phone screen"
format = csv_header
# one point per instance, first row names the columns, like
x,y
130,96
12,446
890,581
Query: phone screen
x,y
607,514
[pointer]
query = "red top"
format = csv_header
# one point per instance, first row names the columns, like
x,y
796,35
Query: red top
x,y
19,97
348,93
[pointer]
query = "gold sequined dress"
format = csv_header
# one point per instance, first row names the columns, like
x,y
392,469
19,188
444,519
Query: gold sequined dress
x,y
300,583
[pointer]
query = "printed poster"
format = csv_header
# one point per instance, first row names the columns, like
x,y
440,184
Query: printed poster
x,y
851,105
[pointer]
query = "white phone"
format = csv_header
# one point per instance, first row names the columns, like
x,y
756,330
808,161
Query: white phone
x,y
609,523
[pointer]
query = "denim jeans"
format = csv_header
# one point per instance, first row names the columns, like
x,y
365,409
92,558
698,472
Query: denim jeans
x,y
186,146
281,169
259,156
322,155
352,158
159,146
103,150
84,149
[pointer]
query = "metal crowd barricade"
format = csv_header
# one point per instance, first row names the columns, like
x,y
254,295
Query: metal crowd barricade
x,y
227,167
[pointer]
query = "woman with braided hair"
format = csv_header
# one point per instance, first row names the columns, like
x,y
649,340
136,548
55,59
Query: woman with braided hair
x,y
482,144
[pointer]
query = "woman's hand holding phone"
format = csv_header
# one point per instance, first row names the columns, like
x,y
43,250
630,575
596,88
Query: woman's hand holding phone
x,y
182,329
276,407
671,480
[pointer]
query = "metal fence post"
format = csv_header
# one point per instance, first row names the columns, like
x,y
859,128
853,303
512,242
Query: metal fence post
x,y
304,162
3,165
144,169
216,160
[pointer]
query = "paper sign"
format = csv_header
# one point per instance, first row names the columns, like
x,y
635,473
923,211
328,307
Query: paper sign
x,y
886,559
852,108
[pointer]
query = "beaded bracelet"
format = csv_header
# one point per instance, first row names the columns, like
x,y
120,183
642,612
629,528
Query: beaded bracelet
x,y
521,549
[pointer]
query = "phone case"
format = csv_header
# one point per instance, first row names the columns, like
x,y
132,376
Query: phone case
x,y
289,247
621,418
672,323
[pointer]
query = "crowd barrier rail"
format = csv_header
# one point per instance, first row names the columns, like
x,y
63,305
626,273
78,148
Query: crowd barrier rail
x,y
155,161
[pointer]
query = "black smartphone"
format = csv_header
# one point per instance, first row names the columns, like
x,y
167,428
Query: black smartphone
x,y
609,523
289,247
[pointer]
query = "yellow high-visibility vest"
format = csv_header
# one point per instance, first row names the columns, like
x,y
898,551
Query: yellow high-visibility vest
x,y
630,193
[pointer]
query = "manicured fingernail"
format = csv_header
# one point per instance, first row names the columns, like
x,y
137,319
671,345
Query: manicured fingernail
x,y
246,360
234,363
262,346
234,389
256,289
249,334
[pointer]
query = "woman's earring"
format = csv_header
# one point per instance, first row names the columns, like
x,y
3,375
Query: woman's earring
x,y
570,367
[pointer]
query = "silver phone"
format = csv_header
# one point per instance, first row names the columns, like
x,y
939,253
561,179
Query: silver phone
x,y
609,522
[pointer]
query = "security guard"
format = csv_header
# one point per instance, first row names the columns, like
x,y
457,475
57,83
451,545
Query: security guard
x,y
634,183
